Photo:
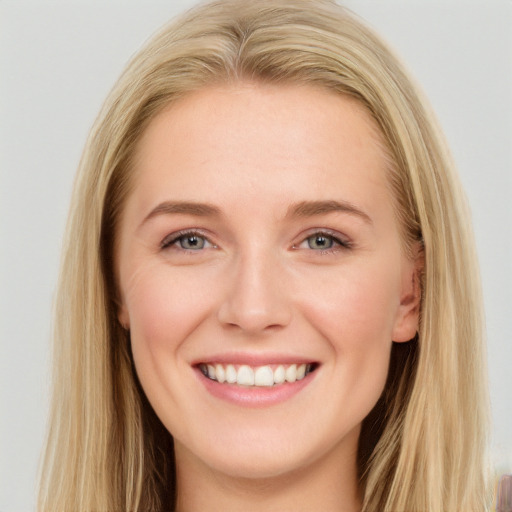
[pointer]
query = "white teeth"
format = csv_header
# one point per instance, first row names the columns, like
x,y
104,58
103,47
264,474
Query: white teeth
x,y
262,376
220,373
245,376
279,375
230,374
291,373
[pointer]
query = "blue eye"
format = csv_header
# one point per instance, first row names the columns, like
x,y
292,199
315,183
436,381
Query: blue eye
x,y
191,242
320,242
187,241
324,243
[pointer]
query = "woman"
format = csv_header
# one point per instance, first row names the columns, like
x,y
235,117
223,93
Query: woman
x,y
264,300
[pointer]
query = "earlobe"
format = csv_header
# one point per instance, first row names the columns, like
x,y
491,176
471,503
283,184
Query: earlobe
x,y
408,316
123,316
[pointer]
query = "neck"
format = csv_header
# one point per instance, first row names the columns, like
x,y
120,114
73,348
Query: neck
x,y
327,484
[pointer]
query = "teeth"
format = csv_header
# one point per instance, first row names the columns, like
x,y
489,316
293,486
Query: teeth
x,y
230,374
219,373
291,373
279,375
263,376
245,376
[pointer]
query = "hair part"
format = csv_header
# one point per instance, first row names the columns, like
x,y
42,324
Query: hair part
x,y
423,445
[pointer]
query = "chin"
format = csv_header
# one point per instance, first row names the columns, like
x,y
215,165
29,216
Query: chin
x,y
265,453
256,464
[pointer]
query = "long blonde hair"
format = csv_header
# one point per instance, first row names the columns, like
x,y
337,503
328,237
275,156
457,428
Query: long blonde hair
x,y
423,447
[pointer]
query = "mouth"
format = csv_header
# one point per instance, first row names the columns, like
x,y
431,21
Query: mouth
x,y
266,376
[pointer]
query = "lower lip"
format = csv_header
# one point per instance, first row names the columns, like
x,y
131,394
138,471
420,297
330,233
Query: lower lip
x,y
254,396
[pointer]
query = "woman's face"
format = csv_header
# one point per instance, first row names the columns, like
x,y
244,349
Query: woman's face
x,y
262,275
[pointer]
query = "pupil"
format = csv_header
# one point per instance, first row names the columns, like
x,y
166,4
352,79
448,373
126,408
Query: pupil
x,y
192,242
320,242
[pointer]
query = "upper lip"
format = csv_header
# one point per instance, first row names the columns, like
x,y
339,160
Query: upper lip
x,y
253,359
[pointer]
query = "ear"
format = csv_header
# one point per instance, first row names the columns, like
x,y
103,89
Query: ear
x,y
408,314
123,316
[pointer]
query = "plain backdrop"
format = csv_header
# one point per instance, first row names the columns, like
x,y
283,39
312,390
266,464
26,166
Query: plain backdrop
x,y
58,60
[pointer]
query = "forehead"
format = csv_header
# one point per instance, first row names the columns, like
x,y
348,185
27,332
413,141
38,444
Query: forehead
x,y
262,140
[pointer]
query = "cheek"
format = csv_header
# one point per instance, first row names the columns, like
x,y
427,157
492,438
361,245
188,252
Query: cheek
x,y
163,306
150,320
356,308
166,306
164,309
355,312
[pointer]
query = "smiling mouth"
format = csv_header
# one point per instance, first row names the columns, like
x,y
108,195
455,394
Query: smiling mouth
x,y
256,376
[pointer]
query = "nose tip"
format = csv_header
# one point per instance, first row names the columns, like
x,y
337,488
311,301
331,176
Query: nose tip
x,y
250,320
255,300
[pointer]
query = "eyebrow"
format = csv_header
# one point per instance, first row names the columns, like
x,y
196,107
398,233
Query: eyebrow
x,y
184,208
302,209
312,208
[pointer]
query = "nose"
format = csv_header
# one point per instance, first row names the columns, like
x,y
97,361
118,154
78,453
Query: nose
x,y
255,300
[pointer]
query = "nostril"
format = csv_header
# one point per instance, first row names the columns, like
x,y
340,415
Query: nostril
x,y
252,320
255,299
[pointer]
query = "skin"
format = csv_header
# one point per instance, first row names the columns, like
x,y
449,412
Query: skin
x,y
261,286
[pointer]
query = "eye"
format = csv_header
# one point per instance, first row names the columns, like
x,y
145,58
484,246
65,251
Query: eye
x,y
320,241
191,242
187,241
324,242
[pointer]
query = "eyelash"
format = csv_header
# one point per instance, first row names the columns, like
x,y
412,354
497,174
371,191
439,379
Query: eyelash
x,y
174,239
338,244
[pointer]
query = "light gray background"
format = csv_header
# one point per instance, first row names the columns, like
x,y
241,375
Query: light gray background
x,y
57,62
